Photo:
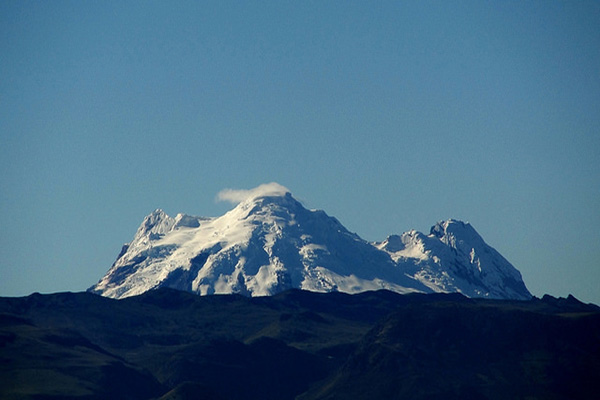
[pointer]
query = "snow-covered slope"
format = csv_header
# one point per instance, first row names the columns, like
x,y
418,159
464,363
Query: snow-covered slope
x,y
455,258
269,243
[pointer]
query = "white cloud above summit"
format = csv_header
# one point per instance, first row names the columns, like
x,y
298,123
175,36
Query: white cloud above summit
x,y
236,196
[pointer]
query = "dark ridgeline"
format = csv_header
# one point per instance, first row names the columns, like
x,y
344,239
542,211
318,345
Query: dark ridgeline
x,y
168,344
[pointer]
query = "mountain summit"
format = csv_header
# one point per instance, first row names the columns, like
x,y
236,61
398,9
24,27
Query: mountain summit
x,y
269,243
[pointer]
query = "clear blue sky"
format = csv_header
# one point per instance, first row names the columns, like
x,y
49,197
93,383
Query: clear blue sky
x,y
388,115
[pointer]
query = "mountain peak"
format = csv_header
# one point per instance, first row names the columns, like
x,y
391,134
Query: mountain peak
x,y
155,224
455,232
451,226
269,242
275,203
281,199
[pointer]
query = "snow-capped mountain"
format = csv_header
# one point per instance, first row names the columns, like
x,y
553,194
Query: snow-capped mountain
x,y
455,258
269,243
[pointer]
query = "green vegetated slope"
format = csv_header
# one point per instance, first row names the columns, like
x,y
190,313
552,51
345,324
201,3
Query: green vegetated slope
x,y
167,344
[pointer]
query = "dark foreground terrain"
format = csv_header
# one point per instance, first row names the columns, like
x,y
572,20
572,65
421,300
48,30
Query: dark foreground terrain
x,y
167,344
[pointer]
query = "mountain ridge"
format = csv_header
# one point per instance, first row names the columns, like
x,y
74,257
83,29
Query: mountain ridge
x,y
269,242
297,345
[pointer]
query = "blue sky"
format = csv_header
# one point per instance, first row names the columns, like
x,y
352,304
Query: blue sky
x,y
388,115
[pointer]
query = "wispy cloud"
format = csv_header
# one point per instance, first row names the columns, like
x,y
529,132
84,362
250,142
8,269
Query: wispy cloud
x,y
235,196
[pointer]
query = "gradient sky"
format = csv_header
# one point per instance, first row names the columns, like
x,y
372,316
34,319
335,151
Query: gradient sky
x,y
390,116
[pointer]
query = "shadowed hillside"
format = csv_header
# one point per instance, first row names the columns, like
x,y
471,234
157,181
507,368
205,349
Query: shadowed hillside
x,y
170,344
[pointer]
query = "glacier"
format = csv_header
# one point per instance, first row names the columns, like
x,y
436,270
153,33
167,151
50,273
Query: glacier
x,y
269,242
